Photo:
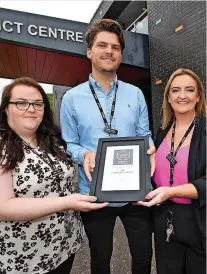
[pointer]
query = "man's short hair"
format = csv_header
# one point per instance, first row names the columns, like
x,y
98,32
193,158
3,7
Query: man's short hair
x,y
104,25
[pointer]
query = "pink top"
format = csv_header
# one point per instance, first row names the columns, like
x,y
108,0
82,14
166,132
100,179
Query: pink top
x,y
161,176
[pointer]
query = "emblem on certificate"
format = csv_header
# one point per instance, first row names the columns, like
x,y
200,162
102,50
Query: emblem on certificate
x,y
123,157
122,171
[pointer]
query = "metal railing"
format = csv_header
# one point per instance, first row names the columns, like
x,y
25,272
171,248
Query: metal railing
x,y
133,25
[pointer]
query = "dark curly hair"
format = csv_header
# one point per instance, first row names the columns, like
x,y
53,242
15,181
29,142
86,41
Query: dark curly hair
x,y
104,25
48,134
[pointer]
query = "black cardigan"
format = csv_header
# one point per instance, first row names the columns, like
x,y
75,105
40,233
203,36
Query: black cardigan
x,y
196,170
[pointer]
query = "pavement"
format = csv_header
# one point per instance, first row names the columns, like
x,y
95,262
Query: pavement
x,y
120,261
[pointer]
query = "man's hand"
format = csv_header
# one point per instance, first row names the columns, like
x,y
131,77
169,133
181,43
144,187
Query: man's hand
x,y
157,196
89,164
151,152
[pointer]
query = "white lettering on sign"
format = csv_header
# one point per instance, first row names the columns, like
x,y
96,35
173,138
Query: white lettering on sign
x,y
52,32
61,33
70,35
42,31
32,30
79,37
18,26
5,26
8,26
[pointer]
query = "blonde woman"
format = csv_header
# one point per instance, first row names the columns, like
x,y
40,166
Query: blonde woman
x,y
180,178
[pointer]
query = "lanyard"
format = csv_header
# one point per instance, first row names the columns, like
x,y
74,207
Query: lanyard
x,y
56,170
171,157
107,128
68,225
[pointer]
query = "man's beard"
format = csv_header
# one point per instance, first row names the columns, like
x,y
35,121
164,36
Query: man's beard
x,y
106,71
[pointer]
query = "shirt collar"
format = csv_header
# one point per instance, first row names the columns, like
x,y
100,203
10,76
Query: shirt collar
x,y
97,85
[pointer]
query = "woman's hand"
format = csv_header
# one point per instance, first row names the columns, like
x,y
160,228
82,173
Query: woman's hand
x,y
157,196
83,203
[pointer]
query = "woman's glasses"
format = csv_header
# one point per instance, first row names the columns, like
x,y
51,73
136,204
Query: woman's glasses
x,y
24,105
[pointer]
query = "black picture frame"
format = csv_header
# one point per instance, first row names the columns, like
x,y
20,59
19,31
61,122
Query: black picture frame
x,y
117,196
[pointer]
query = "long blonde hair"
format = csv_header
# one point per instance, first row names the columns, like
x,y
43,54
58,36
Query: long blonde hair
x,y
167,111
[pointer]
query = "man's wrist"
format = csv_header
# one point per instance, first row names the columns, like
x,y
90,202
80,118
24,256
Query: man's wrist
x,y
151,143
85,153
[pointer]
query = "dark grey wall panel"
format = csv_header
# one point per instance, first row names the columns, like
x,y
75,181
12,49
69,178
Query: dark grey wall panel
x,y
58,93
101,11
137,49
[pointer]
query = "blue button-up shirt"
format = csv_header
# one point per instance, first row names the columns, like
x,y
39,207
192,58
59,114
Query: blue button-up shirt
x,y
82,124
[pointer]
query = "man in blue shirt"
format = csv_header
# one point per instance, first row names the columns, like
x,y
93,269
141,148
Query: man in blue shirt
x,y
87,115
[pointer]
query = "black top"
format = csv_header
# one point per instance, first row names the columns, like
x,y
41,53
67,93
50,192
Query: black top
x,y
196,169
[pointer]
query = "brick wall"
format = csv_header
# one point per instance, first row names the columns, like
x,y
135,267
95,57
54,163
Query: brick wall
x,y
170,50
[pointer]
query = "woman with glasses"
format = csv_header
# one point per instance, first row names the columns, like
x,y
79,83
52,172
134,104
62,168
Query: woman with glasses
x,y
40,228
180,178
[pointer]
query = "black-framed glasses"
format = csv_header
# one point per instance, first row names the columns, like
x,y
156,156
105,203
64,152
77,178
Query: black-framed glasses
x,y
24,105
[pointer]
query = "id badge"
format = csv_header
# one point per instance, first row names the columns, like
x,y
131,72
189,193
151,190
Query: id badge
x,y
171,159
110,131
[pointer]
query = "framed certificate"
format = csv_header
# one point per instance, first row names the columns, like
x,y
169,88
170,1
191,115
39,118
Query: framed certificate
x,y
122,171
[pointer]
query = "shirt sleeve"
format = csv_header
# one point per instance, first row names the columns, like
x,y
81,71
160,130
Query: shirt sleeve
x,y
200,185
70,130
142,128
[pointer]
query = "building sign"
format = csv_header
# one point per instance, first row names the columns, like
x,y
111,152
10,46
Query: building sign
x,y
42,31
62,36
